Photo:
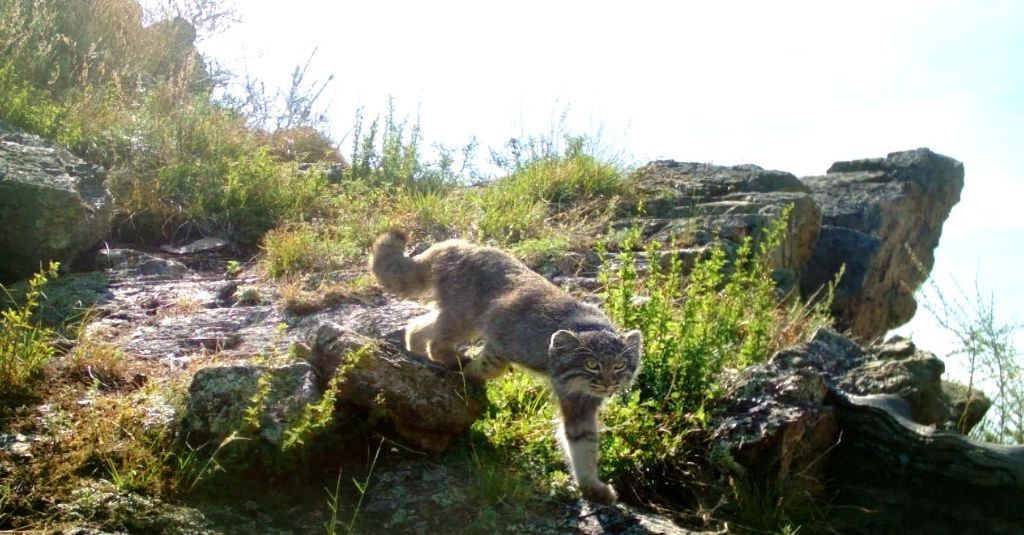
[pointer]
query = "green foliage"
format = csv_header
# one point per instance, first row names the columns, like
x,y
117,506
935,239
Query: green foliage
x,y
294,250
137,100
519,419
518,206
389,184
201,169
774,507
727,316
390,155
574,175
31,109
25,345
316,417
70,46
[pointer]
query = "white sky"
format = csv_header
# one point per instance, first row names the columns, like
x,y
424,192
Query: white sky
x,y
786,85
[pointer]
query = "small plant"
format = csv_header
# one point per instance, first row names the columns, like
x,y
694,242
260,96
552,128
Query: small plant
x,y
361,487
993,360
233,268
298,249
25,345
317,416
331,527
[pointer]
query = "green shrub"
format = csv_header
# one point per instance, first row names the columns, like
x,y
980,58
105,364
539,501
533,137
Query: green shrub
x,y
25,345
395,159
727,315
522,205
569,177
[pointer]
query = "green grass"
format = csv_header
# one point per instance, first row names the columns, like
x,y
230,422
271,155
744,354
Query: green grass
x,y
26,346
548,205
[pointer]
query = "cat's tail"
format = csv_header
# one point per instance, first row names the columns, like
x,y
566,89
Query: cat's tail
x,y
396,272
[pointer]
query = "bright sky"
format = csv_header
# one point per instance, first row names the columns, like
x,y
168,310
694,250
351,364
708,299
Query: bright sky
x,y
786,85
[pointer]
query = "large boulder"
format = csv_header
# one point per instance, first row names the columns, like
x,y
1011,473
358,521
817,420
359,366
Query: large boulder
x,y
876,431
53,205
882,219
876,220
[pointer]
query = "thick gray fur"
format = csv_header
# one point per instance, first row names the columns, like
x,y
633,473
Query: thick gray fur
x,y
484,294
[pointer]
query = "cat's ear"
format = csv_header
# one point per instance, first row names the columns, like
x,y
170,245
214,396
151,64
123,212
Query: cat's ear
x,y
562,341
634,343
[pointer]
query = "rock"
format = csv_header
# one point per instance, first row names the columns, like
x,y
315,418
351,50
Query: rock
x,y
17,444
876,217
896,369
882,218
913,376
968,406
427,495
877,427
219,397
199,246
424,403
691,204
776,425
66,299
893,474
53,205
104,504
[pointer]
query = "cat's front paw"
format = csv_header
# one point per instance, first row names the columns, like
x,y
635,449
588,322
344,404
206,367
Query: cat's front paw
x,y
601,493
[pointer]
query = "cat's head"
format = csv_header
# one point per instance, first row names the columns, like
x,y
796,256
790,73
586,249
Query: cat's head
x,y
597,363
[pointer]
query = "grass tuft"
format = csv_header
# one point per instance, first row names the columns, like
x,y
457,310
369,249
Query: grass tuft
x,y
26,346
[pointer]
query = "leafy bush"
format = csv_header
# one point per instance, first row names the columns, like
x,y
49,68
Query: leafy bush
x,y
298,249
25,345
303,144
727,315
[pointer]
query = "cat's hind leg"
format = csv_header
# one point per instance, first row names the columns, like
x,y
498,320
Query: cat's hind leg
x,y
486,365
419,332
446,333
423,336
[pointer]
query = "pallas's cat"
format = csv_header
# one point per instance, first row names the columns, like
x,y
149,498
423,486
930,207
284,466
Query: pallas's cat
x,y
484,294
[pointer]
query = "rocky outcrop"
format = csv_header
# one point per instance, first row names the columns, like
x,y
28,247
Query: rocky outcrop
x,y
877,431
53,205
879,220
686,206
882,219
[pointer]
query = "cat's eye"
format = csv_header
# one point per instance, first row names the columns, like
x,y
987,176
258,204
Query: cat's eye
x,y
619,366
592,365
